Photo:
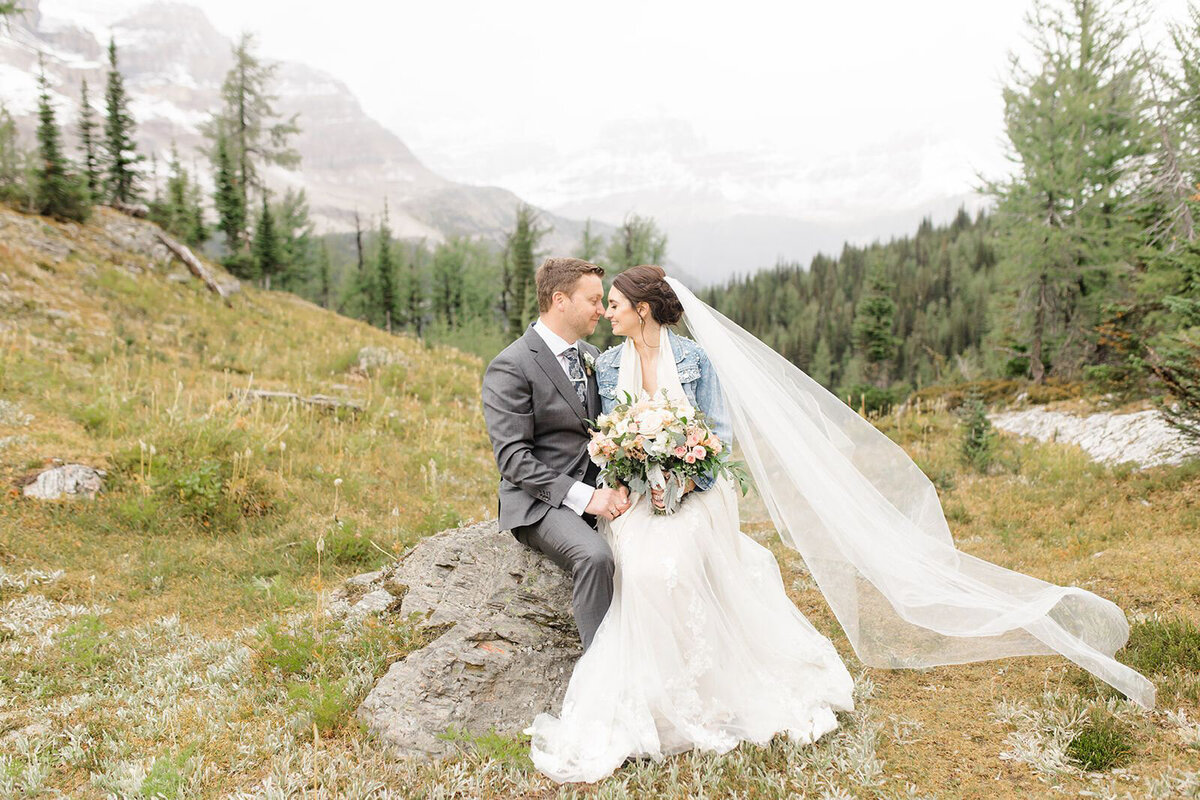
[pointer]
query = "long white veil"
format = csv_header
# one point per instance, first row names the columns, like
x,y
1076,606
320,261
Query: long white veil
x,y
871,529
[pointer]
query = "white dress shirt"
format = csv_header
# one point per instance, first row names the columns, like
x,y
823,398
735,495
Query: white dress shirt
x,y
579,495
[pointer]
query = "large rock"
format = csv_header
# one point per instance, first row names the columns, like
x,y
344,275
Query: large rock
x,y
507,650
1143,437
69,482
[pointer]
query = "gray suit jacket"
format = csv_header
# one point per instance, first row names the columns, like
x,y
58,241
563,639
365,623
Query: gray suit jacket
x,y
538,428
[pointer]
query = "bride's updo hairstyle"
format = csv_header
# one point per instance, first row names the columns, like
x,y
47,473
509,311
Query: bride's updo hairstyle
x,y
647,284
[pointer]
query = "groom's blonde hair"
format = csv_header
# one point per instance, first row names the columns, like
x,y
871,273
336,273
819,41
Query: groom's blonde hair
x,y
560,274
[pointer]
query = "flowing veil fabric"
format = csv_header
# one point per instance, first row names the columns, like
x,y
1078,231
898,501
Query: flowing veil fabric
x,y
870,527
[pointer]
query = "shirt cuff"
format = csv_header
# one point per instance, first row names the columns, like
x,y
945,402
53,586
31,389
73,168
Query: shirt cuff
x,y
578,497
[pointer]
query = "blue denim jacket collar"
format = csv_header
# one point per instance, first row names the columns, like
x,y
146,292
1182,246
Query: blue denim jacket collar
x,y
687,354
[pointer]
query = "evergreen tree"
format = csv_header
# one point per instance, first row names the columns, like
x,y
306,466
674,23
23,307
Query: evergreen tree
x,y
519,291
182,214
197,233
58,193
361,291
120,151
385,268
873,336
449,262
88,143
591,244
228,198
637,241
254,134
821,367
265,249
1075,127
324,275
295,239
413,292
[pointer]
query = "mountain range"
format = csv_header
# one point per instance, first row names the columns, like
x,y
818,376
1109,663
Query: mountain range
x,y
174,62
725,213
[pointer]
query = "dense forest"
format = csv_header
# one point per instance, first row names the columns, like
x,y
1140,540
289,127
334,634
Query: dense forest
x,y
913,311
1086,268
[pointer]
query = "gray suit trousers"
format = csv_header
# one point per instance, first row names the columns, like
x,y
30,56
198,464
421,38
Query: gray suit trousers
x,y
579,549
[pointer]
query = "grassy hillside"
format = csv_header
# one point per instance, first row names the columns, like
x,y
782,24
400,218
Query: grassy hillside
x,y
168,639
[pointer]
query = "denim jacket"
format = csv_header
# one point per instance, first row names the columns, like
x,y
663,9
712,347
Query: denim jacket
x,y
697,376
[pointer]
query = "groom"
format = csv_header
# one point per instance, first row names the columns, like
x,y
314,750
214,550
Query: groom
x,y
537,397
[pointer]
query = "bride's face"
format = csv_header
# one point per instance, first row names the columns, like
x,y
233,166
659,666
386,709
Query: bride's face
x,y
621,314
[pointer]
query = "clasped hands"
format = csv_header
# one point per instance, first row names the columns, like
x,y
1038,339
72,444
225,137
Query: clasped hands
x,y
609,503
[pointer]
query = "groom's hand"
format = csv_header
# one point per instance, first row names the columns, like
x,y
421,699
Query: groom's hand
x,y
609,503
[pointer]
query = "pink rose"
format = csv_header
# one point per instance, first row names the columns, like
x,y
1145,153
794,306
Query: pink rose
x,y
699,452
690,458
681,451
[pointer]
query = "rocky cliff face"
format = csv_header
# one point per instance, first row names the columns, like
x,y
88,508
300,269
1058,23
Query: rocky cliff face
x,y
174,61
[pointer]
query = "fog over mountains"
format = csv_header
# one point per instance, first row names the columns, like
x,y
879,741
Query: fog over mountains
x,y
724,213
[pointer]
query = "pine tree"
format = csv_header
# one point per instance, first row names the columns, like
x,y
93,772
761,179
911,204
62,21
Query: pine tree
x,y
324,275
120,151
178,211
413,292
520,291
385,268
591,244
58,193
254,133
637,241
197,233
228,198
265,248
295,240
821,367
87,142
449,262
1075,127
873,319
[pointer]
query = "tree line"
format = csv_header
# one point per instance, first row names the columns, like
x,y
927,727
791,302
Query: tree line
x,y
1086,269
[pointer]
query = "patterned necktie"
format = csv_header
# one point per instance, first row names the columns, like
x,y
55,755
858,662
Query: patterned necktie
x,y
575,373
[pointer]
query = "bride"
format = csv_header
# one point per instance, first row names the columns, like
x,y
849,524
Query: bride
x,y
701,647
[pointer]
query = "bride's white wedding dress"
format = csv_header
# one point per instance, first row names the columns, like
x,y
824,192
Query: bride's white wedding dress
x,y
701,647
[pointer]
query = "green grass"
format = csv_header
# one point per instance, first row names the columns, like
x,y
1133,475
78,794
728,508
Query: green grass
x,y
1159,646
1101,744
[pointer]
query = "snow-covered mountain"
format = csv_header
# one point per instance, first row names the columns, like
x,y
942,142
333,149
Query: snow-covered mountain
x,y
174,61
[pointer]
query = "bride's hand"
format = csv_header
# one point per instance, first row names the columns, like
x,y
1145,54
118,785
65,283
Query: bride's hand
x,y
656,497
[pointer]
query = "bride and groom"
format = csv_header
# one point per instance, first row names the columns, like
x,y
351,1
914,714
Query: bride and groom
x,y
690,639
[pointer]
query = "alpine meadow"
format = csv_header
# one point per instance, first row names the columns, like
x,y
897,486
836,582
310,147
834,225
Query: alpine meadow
x,y
228,403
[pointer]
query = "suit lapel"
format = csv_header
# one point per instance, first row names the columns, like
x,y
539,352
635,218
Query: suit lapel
x,y
545,359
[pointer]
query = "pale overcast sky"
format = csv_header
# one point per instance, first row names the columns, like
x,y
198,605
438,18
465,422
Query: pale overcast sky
x,y
817,111
471,83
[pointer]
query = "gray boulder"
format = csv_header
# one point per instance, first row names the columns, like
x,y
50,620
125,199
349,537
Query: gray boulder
x,y
68,482
506,647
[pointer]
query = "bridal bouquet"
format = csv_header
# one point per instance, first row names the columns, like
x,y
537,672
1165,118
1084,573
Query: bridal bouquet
x,y
653,443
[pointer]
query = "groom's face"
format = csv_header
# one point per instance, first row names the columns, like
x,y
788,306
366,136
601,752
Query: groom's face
x,y
585,305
